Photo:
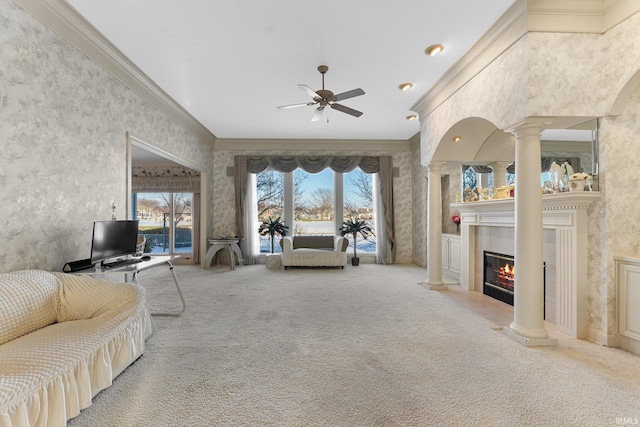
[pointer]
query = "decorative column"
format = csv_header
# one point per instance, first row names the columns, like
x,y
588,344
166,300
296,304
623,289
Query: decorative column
x,y
499,173
434,228
528,305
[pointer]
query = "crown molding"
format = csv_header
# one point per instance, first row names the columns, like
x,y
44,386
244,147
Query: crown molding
x,y
63,19
307,145
579,16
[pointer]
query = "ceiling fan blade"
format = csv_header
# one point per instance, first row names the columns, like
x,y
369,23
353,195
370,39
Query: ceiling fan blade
x,y
349,94
347,110
304,104
317,114
306,89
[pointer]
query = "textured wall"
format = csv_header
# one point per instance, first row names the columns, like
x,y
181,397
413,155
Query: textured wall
x,y
563,65
620,183
419,213
63,121
224,194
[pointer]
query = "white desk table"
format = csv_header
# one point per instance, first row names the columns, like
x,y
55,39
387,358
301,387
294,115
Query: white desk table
x,y
136,268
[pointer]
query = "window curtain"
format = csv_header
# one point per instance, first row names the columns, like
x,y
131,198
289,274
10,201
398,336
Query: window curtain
x,y
195,231
245,199
385,239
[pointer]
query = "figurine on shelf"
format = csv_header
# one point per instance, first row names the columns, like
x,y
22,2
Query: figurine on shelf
x,y
555,173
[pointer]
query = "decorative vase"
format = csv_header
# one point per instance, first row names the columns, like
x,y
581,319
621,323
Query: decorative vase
x,y
577,184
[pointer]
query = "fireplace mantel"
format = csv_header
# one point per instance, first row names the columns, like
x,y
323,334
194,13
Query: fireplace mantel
x,y
566,213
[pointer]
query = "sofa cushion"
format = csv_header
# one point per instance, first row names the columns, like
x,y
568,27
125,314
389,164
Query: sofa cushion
x,y
28,301
313,242
81,299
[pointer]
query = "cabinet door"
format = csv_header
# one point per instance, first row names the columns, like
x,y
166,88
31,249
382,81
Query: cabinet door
x,y
455,258
445,253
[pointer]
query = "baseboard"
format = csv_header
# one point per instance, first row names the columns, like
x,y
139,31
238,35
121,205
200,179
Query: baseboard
x,y
598,337
628,344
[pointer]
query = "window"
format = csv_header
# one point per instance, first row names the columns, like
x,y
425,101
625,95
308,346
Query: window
x,y
166,220
313,204
358,202
270,200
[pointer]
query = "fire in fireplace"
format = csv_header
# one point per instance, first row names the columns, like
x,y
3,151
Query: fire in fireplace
x,y
499,276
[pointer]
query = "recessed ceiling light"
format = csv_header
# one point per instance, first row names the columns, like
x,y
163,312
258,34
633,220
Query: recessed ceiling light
x,y
412,117
434,49
405,86
456,138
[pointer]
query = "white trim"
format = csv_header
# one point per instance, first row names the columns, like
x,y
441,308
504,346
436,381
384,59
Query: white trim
x,y
335,145
138,142
63,19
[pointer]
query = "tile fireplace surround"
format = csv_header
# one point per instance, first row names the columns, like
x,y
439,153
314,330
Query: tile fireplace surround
x,y
566,215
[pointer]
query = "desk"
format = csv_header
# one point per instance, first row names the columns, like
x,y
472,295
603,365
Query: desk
x,y
218,244
134,269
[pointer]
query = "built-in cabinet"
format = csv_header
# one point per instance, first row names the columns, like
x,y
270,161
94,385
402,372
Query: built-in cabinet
x,y
628,303
451,255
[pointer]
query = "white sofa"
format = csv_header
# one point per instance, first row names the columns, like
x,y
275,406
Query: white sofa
x,y
63,339
314,251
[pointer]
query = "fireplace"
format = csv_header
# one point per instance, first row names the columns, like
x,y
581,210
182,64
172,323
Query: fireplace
x,y
499,276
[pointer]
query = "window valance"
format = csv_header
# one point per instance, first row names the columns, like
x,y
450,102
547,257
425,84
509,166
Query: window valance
x,y
479,168
313,164
171,184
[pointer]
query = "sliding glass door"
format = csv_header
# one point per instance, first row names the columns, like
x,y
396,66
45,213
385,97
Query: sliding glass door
x,y
166,220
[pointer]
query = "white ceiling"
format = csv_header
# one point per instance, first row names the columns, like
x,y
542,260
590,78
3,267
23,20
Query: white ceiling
x,y
231,63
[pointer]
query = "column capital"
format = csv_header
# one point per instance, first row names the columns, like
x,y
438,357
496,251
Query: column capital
x,y
529,125
435,166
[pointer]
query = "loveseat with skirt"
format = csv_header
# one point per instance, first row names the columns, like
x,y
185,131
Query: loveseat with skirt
x,y
63,339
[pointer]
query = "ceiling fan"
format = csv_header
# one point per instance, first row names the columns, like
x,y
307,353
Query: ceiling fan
x,y
324,97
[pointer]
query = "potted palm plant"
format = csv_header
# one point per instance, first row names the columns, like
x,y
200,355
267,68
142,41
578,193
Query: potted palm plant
x,y
272,226
355,226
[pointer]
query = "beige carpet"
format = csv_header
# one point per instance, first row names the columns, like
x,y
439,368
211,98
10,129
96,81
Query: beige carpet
x,y
363,346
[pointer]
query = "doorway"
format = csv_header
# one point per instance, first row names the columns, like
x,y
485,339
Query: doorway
x,y
163,193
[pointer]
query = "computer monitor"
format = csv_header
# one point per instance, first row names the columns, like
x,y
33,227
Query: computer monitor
x,y
113,239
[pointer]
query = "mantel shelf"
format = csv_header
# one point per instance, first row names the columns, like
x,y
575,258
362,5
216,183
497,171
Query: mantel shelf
x,y
560,201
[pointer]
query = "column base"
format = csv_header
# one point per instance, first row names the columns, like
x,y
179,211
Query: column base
x,y
529,342
434,286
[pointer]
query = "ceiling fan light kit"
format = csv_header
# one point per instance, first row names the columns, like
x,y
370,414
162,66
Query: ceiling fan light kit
x,y
324,97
